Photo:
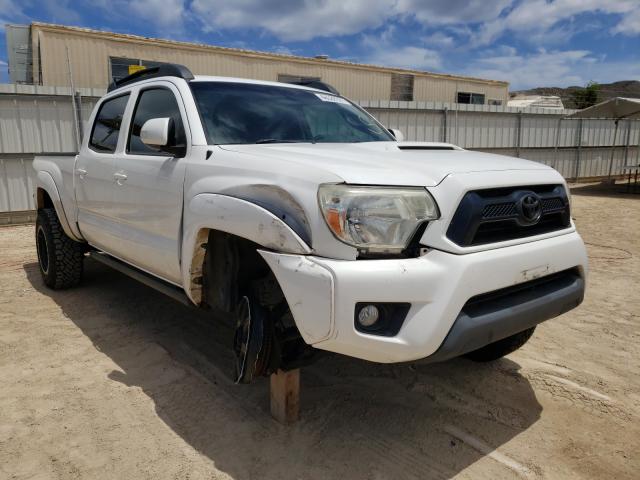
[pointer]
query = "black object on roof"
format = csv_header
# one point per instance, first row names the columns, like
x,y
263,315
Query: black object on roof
x,y
164,70
316,84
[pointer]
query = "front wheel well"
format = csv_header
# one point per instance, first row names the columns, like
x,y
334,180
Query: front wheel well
x,y
233,268
230,267
43,199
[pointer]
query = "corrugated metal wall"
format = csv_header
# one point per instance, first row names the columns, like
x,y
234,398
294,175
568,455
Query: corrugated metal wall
x,y
89,53
34,119
16,183
576,148
37,119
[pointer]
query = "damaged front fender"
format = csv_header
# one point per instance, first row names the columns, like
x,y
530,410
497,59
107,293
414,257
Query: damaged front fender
x,y
209,211
309,290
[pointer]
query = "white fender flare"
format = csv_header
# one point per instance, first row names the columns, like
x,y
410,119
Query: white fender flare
x,y
210,211
45,181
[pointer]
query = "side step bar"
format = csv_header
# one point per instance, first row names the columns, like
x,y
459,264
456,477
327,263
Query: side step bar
x,y
149,280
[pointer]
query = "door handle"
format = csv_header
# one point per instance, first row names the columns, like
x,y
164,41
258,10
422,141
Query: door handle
x,y
120,178
81,172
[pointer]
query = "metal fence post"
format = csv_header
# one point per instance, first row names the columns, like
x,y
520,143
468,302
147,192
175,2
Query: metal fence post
x,y
519,133
637,123
445,121
555,149
613,149
578,151
626,143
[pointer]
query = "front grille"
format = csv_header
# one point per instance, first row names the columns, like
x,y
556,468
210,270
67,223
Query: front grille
x,y
499,210
496,215
551,204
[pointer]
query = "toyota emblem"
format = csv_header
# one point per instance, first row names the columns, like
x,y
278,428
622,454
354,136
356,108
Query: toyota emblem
x,y
530,208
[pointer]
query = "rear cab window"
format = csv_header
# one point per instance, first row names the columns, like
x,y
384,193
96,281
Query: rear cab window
x,y
106,127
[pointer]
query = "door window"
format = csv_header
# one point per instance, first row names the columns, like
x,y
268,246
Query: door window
x,y
106,128
155,103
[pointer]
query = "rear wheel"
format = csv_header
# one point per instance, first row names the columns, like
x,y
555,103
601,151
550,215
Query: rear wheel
x,y
503,347
60,258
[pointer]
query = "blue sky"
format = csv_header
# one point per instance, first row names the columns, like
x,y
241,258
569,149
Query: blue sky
x,y
526,42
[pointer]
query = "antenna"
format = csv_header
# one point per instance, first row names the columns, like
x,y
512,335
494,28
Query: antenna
x,y
73,101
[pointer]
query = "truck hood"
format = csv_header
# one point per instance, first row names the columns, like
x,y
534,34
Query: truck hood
x,y
387,163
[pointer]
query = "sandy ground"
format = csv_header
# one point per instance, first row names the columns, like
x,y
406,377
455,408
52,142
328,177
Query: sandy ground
x,y
113,380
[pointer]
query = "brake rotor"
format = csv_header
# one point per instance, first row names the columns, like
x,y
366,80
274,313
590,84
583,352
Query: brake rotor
x,y
252,341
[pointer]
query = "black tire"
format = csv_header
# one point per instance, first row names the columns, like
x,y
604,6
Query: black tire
x,y
503,347
60,258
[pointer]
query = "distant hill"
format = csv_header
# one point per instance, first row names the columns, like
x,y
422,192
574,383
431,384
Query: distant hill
x,y
623,88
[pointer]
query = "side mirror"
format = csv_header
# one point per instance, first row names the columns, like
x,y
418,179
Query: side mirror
x,y
397,133
155,132
159,134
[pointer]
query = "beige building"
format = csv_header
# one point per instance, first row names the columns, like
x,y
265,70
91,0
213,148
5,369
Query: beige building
x,y
95,57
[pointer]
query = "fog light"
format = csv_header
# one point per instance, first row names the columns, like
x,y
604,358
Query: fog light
x,y
384,319
368,315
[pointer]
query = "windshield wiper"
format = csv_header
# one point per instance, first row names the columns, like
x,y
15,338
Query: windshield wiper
x,y
277,140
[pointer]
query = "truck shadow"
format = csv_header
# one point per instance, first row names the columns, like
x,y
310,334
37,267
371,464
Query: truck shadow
x,y
621,190
359,420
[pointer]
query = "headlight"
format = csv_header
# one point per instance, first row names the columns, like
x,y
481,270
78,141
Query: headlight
x,y
375,219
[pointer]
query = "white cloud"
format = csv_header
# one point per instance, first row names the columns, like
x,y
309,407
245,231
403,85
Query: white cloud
x,y
384,51
552,68
282,50
304,20
416,58
538,20
11,12
441,12
2,62
168,13
630,23
541,68
292,19
60,11
439,39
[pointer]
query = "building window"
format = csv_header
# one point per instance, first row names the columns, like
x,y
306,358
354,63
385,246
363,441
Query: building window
x,y
296,79
471,98
493,101
121,67
402,87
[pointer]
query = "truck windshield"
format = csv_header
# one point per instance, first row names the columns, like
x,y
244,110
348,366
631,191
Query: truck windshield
x,y
238,113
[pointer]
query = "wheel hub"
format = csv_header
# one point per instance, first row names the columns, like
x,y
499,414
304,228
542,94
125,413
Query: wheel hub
x,y
43,255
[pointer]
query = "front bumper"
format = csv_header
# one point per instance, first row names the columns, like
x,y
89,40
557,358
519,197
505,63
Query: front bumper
x,y
322,295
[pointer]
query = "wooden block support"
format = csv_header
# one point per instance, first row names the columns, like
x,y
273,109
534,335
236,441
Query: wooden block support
x,y
285,396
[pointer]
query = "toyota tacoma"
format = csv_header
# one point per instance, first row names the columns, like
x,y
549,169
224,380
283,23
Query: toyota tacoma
x,y
306,225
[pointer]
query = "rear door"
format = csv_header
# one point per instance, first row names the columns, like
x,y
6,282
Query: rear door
x,y
93,175
148,191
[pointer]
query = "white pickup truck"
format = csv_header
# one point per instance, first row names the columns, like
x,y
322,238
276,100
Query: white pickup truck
x,y
308,224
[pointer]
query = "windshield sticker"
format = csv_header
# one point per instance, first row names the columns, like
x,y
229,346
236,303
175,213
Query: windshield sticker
x,y
331,98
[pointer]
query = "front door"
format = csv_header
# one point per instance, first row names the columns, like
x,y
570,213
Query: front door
x,y
148,192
